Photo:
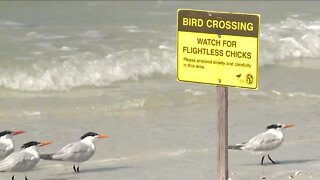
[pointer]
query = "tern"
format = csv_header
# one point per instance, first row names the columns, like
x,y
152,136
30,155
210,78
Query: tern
x,y
6,143
264,142
24,160
76,152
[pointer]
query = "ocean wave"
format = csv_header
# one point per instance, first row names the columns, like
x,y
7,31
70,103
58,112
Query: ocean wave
x,y
67,65
86,69
275,93
7,23
288,40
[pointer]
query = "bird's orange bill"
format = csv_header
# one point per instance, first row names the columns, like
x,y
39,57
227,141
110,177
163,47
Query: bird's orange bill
x,y
44,143
103,136
288,125
18,132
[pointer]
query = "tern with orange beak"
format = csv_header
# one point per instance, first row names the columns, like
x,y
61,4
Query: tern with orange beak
x,y
76,152
6,142
24,160
265,142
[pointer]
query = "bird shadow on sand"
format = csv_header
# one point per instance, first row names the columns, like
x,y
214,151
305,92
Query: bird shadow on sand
x,y
296,161
285,162
96,170
102,169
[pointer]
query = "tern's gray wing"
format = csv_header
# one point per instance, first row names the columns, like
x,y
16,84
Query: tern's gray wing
x,y
4,151
263,142
76,152
19,161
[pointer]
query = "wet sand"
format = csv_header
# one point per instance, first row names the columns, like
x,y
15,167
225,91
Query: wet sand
x,y
177,139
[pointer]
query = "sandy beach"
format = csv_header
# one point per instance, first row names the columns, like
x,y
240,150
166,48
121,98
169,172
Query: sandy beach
x,y
154,143
64,74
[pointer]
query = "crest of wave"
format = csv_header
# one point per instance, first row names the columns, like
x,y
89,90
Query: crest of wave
x,y
290,39
86,69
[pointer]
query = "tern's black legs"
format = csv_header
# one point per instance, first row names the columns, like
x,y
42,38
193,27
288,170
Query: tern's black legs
x,y
26,178
262,160
268,158
76,170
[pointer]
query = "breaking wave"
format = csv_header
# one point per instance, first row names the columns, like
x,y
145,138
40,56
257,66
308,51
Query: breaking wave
x,y
85,69
288,40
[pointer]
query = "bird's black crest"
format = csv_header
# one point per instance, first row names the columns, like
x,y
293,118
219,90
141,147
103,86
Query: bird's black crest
x,y
274,126
88,134
29,144
3,133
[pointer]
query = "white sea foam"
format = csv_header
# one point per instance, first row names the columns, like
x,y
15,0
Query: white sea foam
x,y
67,48
10,23
289,39
314,27
86,69
165,47
254,93
302,94
44,36
128,104
195,93
130,27
276,93
32,113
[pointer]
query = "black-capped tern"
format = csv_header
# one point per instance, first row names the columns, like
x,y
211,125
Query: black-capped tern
x,y
24,160
6,142
264,142
76,152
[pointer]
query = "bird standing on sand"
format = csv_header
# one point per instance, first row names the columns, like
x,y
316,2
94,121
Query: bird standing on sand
x,y
6,143
76,152
264,142
24,160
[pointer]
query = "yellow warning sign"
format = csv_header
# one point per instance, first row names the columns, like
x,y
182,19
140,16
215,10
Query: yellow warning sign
x,y
218,48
